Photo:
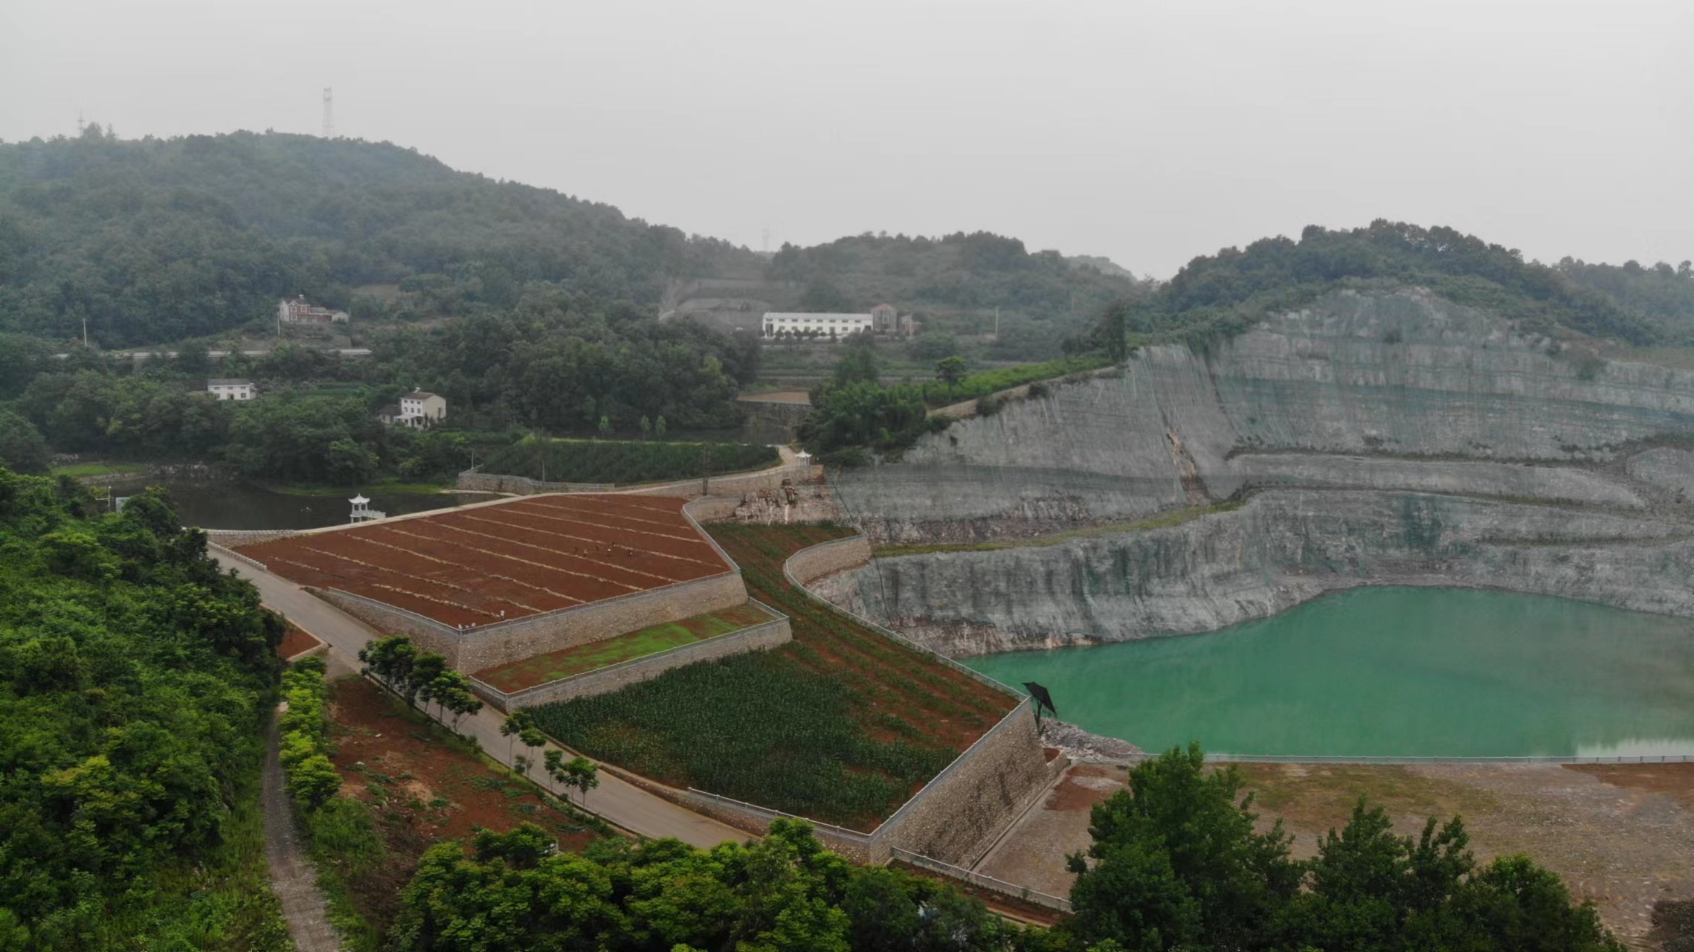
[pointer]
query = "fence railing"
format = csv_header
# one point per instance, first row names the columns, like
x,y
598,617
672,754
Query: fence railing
x,y
1025,893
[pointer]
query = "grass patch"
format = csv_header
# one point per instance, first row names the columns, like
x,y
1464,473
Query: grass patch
x,y
1321,797
81,470
623,461
1167,520
636,644
841,725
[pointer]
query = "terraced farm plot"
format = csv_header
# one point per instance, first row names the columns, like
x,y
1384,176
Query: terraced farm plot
x,y
841,725
637,644
481,564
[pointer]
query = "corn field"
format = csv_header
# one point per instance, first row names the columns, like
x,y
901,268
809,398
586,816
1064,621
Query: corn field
x,y
842,725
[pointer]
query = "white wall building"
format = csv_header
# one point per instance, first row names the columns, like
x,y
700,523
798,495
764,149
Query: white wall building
x,y
298,311
787,322
419,408
231,389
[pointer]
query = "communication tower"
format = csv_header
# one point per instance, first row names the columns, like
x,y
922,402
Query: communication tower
x,y
329,113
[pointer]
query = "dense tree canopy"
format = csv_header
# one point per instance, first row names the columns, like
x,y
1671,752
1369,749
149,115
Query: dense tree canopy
x,y
979,270
157,240
1223,293
132,683
783,893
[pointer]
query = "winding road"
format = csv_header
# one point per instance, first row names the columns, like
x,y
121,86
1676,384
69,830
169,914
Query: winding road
x,y
615,800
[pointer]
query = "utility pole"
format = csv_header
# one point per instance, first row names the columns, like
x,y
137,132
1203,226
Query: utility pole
x,y
85,330
329,113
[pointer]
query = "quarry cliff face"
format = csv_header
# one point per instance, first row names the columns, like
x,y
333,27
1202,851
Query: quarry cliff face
x,y
1376,438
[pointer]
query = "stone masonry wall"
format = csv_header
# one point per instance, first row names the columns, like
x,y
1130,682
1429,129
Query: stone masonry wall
x,y
809,565
492,645
731,485
957,816
234,538
619,676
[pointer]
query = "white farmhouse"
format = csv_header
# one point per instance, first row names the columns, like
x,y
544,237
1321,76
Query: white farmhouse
x,y
420,408
826,326
231,389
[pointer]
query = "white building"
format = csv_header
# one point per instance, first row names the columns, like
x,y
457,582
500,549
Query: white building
x,y
420,408
231,389
822,325
298,311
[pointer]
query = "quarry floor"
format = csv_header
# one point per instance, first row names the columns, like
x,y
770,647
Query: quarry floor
x,y
1620,835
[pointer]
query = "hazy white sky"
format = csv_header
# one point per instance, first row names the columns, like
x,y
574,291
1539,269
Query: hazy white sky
x,y
1150,132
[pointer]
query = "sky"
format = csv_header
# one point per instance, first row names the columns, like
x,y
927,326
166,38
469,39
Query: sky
x,y
1148,132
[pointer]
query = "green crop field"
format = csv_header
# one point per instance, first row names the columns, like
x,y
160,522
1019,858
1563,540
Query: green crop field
x,y
624,461
841,725
636,644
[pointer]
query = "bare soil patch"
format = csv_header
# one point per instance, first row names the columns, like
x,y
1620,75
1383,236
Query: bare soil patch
x,y
295,641
423,787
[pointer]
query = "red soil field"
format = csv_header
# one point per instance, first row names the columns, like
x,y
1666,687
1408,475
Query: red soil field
x,y
484,564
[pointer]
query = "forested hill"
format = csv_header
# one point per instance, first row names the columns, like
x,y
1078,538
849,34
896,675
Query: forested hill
x,y
958,271
158,240
1224,293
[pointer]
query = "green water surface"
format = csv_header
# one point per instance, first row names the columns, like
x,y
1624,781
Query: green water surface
x,y
1390,672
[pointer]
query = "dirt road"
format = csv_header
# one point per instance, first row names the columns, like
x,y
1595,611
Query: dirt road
x,y
292,874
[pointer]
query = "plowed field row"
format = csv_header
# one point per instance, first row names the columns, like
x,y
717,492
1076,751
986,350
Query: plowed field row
x,y
492,563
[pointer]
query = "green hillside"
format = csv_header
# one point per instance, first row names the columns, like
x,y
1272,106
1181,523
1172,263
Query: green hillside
x,y
157,240
1224,293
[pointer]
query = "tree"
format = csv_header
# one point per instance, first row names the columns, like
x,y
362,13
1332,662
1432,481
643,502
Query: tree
x,y
1176,857
935,345
22,450
520,725
313,781
950,371
578,773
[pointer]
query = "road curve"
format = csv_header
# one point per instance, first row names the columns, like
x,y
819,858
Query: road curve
x,y
617,801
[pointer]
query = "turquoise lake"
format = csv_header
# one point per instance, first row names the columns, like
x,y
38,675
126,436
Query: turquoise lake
x,y
1390,672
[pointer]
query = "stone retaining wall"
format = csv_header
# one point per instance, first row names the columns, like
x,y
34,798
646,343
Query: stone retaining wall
x,y
808,565
734,484
523,485
618,676
488,646
235,538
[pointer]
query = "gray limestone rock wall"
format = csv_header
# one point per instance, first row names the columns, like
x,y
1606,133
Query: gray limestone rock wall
x,y
1671,470
1391,376
1278,550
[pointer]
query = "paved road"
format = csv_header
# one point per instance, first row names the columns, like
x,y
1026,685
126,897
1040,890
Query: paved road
x,y
618,802
292,875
